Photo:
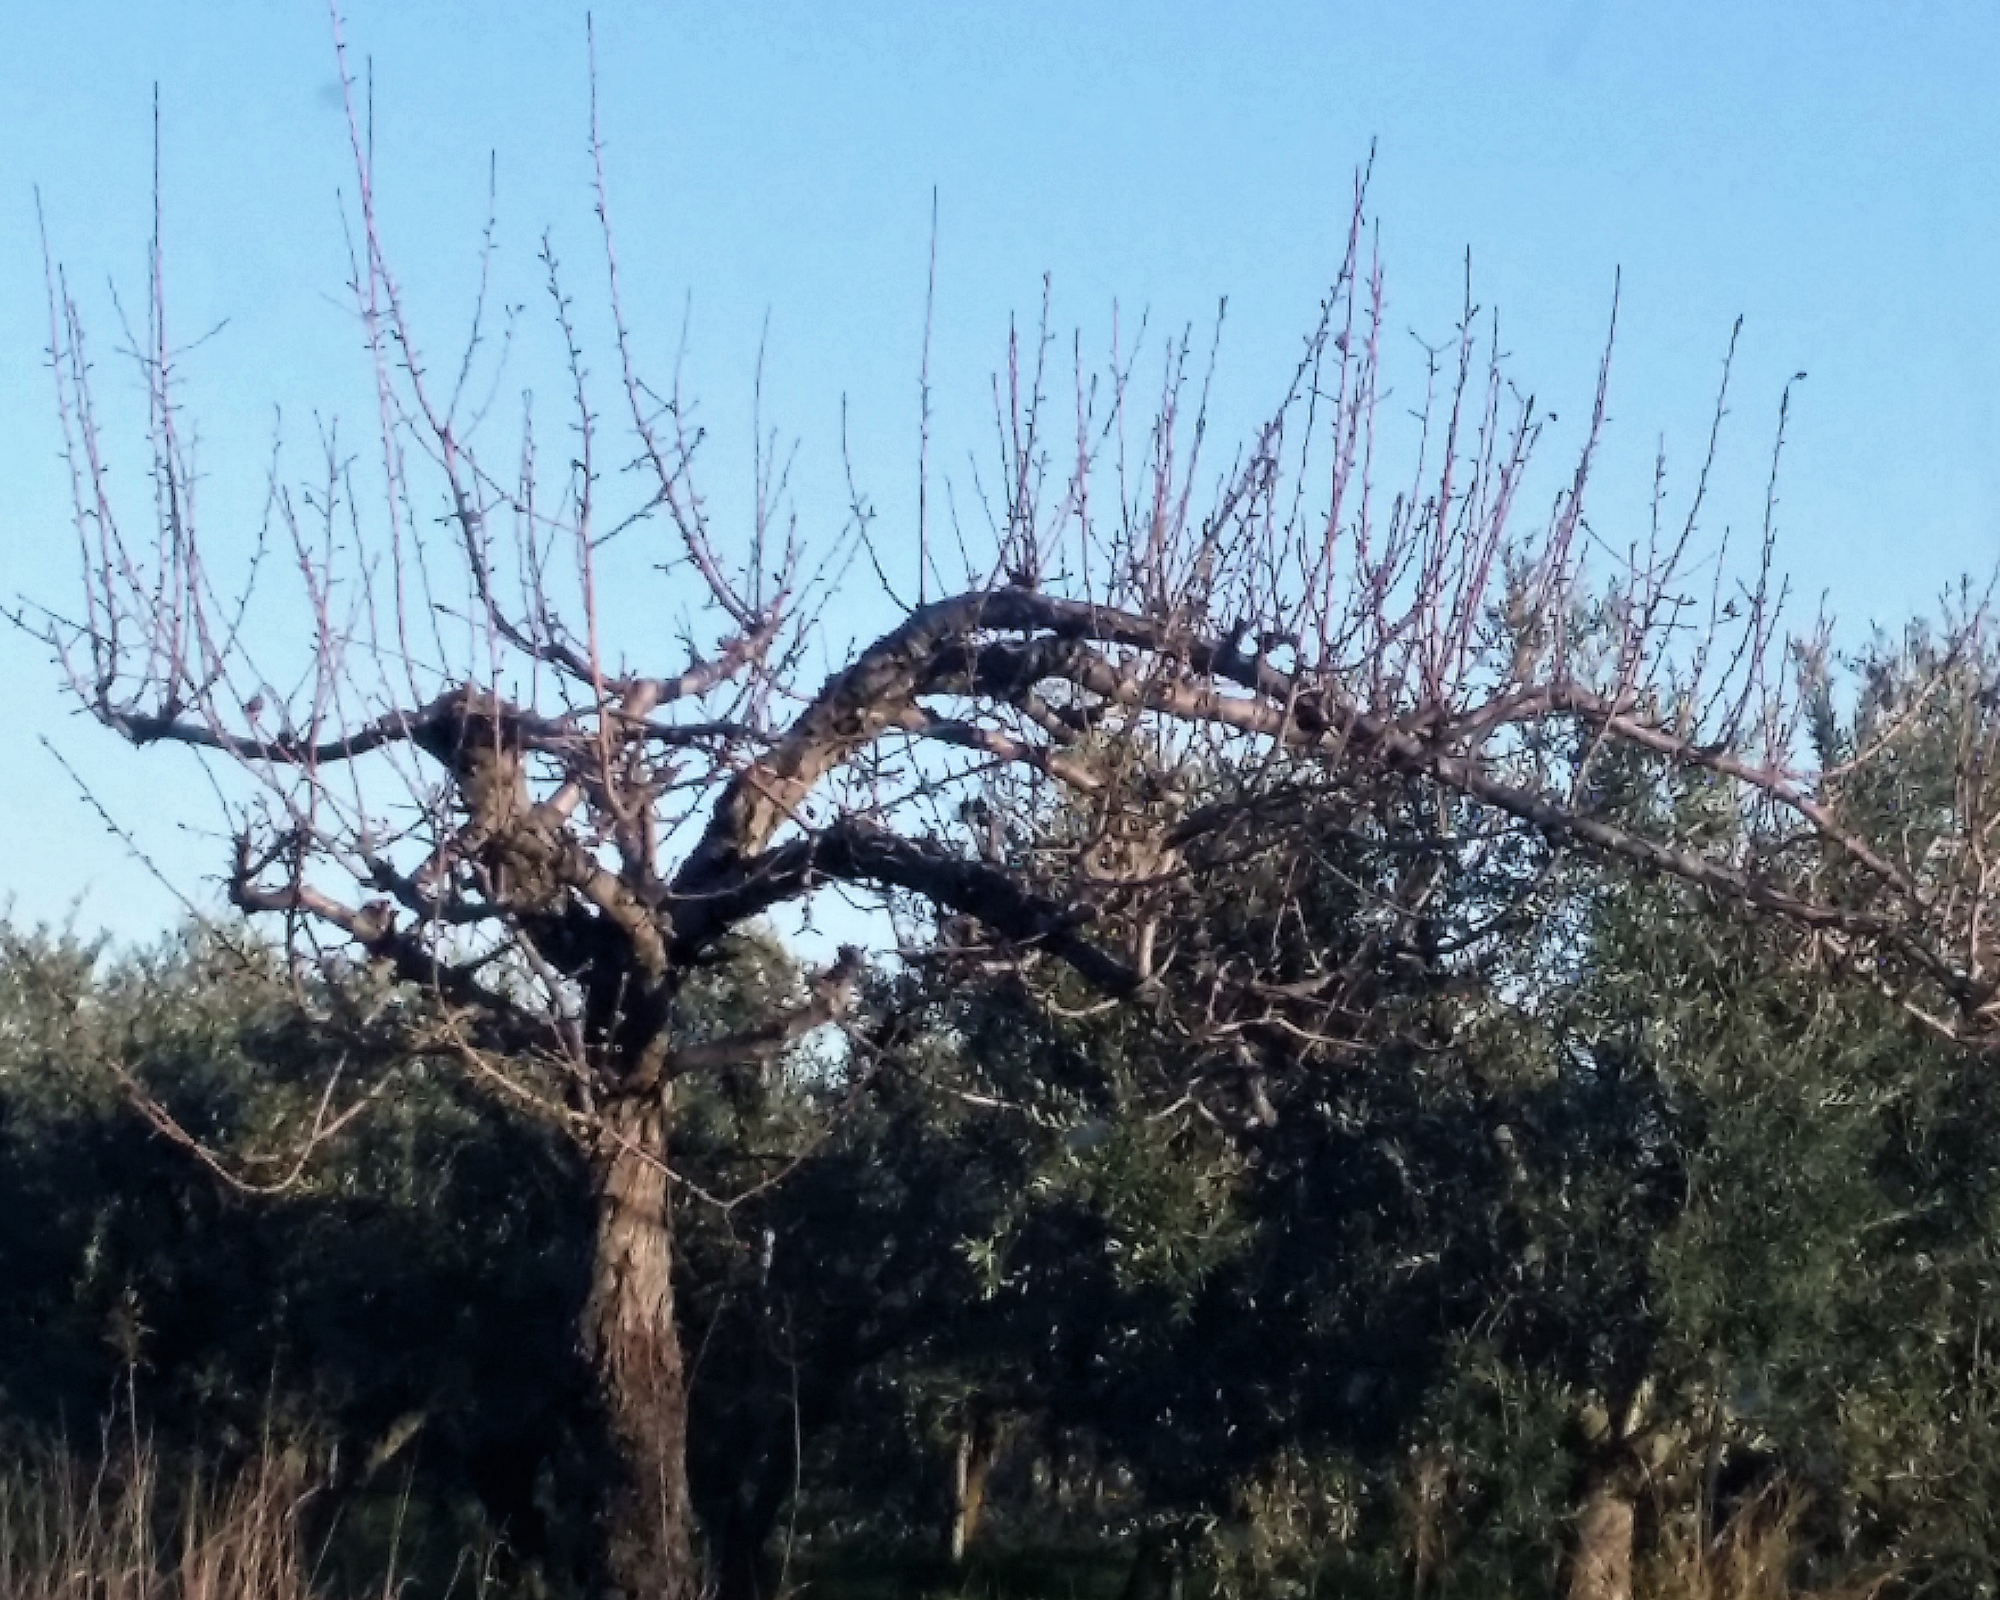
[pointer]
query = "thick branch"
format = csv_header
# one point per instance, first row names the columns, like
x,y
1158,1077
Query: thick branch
x,y
854,851
937,651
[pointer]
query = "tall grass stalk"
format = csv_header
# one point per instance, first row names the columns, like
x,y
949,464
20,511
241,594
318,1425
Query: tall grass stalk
x,y
130,1530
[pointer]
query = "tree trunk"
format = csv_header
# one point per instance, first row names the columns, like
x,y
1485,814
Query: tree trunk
x,y
1601,1565
978,1434
1423,1508
647,1528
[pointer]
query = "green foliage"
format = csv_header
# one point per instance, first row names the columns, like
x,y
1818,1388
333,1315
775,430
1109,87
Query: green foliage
x,y
1584,1182
408,1300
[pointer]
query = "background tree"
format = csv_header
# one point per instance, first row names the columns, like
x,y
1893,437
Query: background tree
x,y
1587,1234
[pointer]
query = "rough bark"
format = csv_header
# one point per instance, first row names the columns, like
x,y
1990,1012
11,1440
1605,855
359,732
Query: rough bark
x,y
1423,1506
972,1462
634,1346
1601,1564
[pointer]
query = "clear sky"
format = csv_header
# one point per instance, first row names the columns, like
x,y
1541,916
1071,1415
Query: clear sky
x,y
1829,172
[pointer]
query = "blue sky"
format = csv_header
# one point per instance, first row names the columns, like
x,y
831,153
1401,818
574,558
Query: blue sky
x,y
1830,173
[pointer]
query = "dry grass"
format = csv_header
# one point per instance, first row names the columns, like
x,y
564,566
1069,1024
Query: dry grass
x,y
125,1531
1755,1558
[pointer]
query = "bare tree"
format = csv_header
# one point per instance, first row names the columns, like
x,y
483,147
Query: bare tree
x,y
539,836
